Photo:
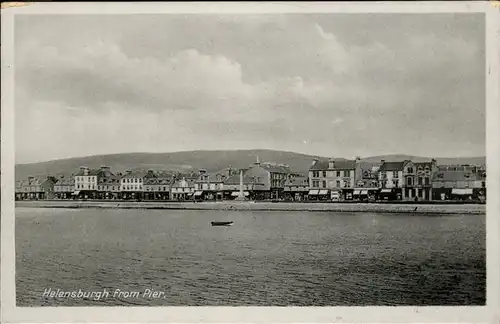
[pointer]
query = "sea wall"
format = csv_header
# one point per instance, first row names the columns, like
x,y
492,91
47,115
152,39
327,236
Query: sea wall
x,y
268,206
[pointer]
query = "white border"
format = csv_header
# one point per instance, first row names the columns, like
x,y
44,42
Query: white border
x,y
487,314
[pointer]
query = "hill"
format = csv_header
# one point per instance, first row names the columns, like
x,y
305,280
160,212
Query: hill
x,y
480,160
189,161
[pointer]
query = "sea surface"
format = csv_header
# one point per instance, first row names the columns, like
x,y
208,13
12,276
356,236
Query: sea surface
x,y
264,259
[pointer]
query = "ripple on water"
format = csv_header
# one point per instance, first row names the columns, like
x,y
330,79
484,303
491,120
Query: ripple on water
x,y
277,258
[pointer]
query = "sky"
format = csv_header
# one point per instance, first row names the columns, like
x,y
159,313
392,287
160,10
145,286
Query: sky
x,y
339,85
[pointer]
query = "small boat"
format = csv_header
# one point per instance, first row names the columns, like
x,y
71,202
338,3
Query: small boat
x,y
222,223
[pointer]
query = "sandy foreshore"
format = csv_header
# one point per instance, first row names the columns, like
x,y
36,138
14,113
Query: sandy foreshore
x,y
268,206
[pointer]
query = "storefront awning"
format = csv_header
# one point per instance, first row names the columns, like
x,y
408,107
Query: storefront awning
x,y
461,191
313,192
357,192
323,192
198,193
386,191
364,192
76,192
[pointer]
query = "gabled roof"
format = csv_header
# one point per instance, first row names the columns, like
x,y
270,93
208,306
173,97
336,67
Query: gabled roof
x,y
215,176
276,168
157,181
322,165
65,181
91,172
190,181
369,165
392,166
139,174
235,180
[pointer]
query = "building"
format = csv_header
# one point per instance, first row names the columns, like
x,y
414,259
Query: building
x,y
132,183
296,188
327,176
157,188
418,180
459,184
270,177
183,189
86,183
108,184
210,186
391,181
366,180
251,185
64,187
36,188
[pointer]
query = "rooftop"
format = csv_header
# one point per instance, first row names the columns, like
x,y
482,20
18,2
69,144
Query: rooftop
x,y
392,166
323,165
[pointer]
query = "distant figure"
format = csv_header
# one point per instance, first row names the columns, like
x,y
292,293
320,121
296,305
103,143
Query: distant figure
x,y
415,209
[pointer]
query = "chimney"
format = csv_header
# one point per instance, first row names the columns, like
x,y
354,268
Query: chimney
x,y
315,160
331,163
358,159
105,168
84,170
257,162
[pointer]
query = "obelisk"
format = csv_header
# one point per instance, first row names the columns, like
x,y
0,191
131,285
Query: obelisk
x,y
241,196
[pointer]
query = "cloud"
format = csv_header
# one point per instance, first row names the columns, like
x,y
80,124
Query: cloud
x,y
277,80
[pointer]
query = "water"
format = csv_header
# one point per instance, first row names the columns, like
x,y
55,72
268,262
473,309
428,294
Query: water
x,y
264,259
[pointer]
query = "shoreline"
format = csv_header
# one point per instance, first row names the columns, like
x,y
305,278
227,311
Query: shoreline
x,y
419,208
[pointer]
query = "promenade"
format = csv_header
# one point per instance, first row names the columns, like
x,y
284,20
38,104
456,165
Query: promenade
x,y
411,208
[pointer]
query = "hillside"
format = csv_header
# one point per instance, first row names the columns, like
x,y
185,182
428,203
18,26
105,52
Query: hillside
x,y
481,160
177,161
195,160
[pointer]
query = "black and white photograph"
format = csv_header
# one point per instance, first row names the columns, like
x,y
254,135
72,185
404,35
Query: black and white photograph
x,y
217,156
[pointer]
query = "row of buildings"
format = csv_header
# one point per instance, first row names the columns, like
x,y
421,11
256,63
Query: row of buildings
x,y
326,180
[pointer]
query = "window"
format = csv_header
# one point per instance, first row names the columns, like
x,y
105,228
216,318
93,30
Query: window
x,y
338,183
324,184
315,174
427,181
395,174
409,181
410,169
338,174
324,174
420,181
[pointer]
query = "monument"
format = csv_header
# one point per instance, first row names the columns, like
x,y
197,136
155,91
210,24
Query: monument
x,y
241,196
